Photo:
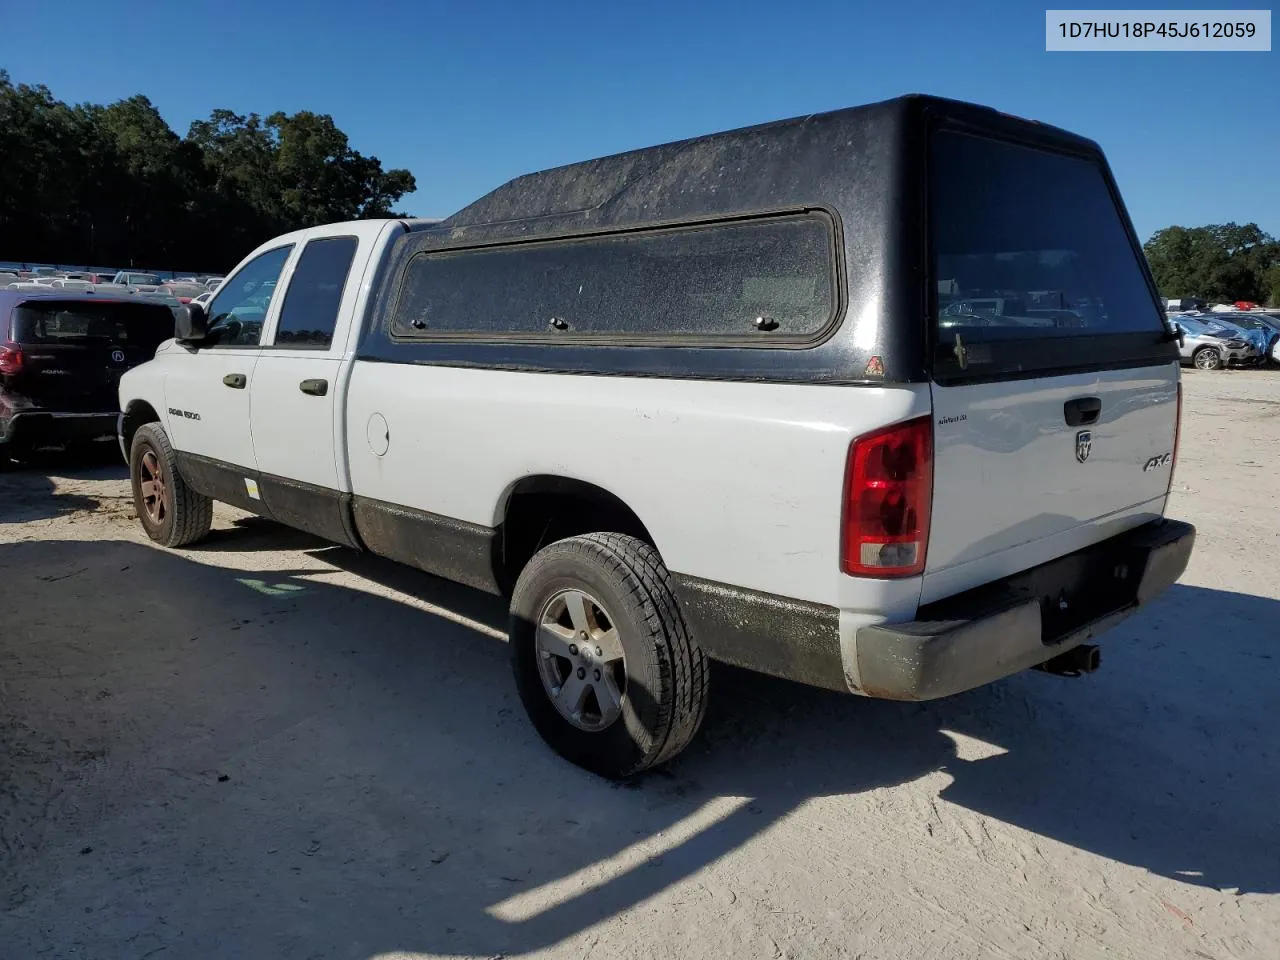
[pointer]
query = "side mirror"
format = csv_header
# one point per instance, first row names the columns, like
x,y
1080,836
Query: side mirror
x,y
191,323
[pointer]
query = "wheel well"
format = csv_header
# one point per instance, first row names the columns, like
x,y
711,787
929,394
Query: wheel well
x,y
136,414
543,509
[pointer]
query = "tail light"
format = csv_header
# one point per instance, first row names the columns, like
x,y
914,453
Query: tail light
x,y
888,492
10,359
1177,437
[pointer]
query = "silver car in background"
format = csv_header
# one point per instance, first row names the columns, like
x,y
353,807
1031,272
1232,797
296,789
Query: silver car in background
x,y
1211,344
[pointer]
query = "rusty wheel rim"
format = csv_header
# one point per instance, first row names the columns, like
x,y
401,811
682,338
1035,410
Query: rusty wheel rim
x,y
152,487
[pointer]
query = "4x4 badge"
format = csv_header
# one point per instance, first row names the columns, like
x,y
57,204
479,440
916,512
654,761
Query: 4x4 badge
x,y
1084,444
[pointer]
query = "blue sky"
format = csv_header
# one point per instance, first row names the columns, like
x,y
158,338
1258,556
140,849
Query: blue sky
x,y
470,94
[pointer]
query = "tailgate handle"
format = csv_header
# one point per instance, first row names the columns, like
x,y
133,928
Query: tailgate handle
x,y
1082,410
235,381
316,388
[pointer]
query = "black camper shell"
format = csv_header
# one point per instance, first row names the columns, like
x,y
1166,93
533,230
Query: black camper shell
x,y
866,178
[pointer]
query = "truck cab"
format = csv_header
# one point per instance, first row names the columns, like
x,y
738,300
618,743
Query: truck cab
x,y
268,371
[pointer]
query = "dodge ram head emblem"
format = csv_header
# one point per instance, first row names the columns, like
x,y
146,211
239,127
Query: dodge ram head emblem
x,y
1084,443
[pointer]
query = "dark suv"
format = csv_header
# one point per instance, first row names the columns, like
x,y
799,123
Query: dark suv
x,y
61,357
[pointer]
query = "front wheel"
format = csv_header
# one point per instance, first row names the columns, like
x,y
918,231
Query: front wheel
x,y
171,512
1207,358
604,663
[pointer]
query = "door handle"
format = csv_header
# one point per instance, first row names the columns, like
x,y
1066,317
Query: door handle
x,y
235,381
1081,411
316,388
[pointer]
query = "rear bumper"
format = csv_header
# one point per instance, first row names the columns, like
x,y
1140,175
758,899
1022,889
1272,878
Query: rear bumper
x,y
38,427
1004,627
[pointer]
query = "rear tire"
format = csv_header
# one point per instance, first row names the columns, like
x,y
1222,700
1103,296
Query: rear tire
x,y
170,512
1207,358
616,588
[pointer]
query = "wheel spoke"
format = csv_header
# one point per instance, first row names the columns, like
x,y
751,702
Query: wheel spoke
x,y
608,695
610,645
572,693
555,639
149,489
575,603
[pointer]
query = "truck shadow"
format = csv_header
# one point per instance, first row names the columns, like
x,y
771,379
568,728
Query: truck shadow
x,y
278,762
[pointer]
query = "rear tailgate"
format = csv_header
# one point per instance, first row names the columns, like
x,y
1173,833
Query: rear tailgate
x,y
1055,386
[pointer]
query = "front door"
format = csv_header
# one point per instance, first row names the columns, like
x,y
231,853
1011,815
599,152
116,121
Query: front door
x,y
208,392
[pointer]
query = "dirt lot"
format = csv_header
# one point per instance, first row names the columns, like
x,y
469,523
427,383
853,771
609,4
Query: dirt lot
x,y
267,747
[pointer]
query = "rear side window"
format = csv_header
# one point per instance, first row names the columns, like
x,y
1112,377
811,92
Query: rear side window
x,y
310,310
86,323
1029,246
759,279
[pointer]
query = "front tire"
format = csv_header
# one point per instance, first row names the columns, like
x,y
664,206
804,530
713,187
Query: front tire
x,y
1207,358
171,512
605,666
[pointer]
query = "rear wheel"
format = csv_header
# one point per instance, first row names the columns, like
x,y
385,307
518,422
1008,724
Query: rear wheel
x,y
170,511
603,660
1207,358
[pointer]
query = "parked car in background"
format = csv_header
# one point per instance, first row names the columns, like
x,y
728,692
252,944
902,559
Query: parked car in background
x,y
131,278
1213,345
7,278
1263,325
214,282
184,292
71,283
204,298
61,358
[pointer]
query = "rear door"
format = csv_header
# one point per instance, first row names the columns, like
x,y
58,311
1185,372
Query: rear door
x,y
297,398
1056,389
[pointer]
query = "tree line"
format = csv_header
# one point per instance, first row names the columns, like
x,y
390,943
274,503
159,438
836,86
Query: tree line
x,y
1221,263
114,186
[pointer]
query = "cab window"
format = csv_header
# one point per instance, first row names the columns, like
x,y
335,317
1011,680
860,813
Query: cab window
x,y
238,311
310,310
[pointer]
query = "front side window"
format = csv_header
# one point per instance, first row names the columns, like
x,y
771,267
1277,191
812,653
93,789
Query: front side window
x,y
239,309
763,279
310,310
1030,245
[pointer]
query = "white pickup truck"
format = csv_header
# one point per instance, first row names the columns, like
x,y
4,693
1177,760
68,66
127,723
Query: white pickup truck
x,y
879,400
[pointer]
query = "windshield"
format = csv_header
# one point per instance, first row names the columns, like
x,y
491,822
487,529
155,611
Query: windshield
x,y
1030,244
133,324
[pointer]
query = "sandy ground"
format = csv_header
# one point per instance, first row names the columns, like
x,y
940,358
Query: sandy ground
x,y
266,747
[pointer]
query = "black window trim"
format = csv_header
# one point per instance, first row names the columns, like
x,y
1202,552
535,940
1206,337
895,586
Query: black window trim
x,y
397,334
1072,354
275,332
249,346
